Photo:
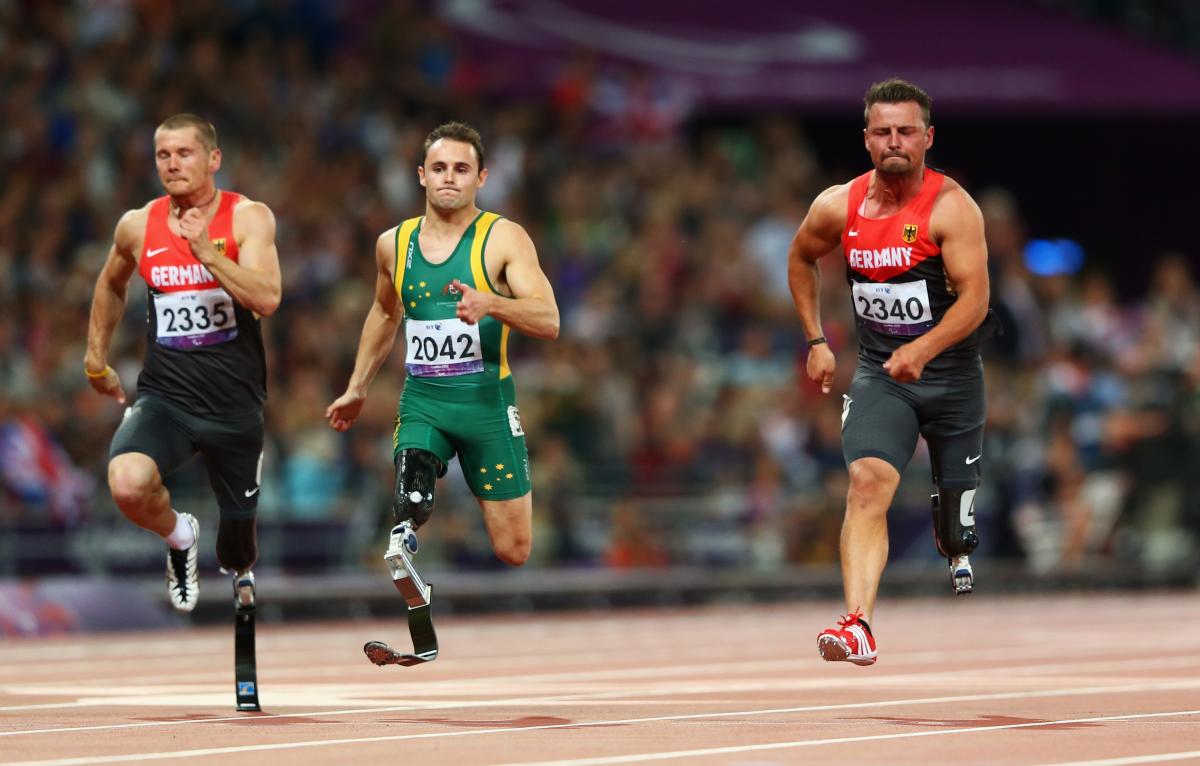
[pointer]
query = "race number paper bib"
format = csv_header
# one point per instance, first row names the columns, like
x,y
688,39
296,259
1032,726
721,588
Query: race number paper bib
x,y
894,309
195,318
442,347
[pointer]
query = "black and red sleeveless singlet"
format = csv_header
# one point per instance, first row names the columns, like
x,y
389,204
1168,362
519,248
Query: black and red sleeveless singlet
x,y
204,351
897,279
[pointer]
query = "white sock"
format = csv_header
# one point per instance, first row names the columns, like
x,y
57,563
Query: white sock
x,y
182,537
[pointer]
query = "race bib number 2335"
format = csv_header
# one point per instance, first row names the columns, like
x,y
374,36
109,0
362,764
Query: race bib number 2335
x,y
194,318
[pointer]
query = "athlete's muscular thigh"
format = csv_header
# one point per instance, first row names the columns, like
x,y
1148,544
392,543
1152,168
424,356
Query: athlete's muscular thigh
x,y
878,419
510,526
154,428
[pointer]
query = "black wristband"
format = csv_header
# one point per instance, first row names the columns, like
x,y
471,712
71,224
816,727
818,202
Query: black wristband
x,y
817,341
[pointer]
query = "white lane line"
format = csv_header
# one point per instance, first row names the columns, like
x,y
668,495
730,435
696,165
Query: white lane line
x,y
665,756
637,758
418,695
451,692
47,706
214,650
151,684
475,704
1128,761
183,645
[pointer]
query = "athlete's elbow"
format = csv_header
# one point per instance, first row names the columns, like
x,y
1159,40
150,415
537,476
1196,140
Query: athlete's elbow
x,y
981,311
549,329
269,304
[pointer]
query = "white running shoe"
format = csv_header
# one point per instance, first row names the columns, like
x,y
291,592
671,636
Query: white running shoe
x,y
243,589
962,576
183,571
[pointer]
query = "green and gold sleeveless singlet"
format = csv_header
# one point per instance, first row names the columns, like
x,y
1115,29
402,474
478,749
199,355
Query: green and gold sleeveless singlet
x,y
459,397
440,345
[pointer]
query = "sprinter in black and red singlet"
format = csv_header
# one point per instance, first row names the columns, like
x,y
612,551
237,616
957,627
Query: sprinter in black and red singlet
x,y
209,261
916,262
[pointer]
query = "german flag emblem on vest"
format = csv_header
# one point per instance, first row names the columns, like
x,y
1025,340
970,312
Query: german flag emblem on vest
x,y
910,233
219,244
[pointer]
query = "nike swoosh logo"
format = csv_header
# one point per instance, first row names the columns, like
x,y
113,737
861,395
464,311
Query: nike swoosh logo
x,y
252,492
973,459
155,251
852,233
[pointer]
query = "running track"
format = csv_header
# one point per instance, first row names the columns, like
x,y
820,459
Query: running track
x,y
1101,681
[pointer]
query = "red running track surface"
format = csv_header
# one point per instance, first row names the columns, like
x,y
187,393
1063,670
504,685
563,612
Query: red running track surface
x,y
1096,680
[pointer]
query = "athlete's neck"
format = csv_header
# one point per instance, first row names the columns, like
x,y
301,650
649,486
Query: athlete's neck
x,y
202,199
437,219
897,189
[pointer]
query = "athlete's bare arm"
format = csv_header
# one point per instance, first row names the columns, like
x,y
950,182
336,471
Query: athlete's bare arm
x,y
819,235
956,223
254,280
108,302
378,336
530,307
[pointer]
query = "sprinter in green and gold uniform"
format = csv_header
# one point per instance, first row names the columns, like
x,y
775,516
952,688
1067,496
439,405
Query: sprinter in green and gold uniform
x,y
459,396
461,280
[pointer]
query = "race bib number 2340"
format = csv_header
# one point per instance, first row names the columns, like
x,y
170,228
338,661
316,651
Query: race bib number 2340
x,y
894,309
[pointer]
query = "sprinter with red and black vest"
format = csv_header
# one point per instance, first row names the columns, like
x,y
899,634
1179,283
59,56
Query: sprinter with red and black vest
x,y
209,261
916,262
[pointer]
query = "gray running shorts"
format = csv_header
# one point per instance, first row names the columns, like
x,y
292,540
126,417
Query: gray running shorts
x,y
882,418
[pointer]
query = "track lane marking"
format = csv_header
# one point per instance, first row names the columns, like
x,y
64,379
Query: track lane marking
x,y
1067,692
127,684
1133,759
601,761
671,755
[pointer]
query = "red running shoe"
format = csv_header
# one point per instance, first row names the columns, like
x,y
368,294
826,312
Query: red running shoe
x,y
850,641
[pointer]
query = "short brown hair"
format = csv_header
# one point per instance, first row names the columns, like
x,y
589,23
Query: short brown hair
x,y
204,129
456,131
896,91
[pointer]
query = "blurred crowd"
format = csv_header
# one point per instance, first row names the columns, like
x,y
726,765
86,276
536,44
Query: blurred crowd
x,y
671,422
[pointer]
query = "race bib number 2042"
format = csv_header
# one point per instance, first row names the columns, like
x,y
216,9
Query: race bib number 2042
x,y
894,309
442,347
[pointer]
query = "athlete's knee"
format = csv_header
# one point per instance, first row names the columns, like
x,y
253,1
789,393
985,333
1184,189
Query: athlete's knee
x,y
954,520
513,549
872,483
416,477
133,480
237,544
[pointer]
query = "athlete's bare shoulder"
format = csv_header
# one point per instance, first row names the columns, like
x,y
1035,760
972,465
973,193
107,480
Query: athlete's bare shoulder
x,y
385,250
131,229
136,216
836,195
508,244
248,211
509,233
827,213
954,214
387,240
953,204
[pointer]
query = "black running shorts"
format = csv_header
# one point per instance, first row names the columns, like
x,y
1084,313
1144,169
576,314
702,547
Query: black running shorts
x,y
882,418
232,449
